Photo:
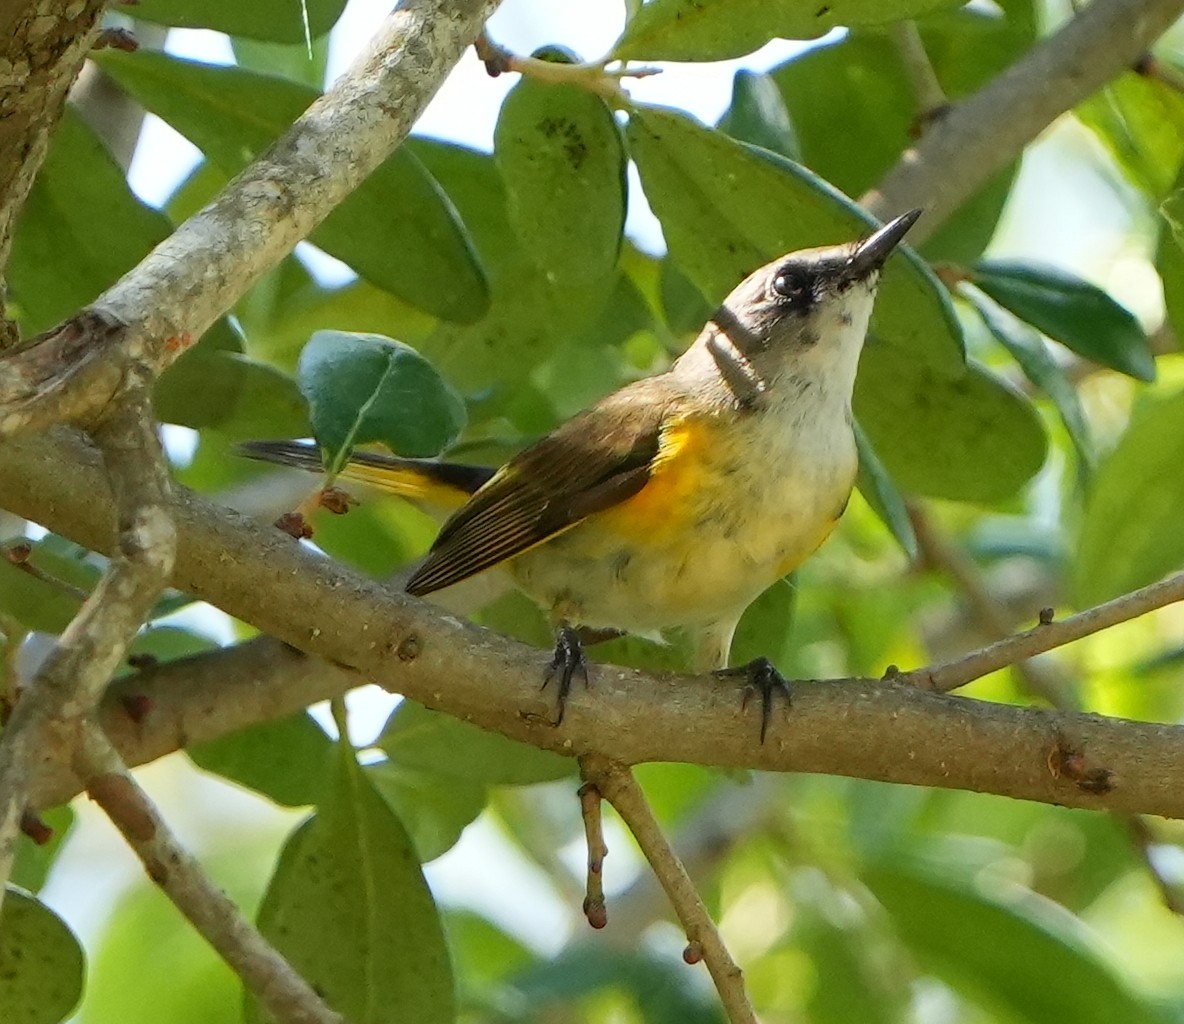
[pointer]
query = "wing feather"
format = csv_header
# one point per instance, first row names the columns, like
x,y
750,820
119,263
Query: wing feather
x,y
594,461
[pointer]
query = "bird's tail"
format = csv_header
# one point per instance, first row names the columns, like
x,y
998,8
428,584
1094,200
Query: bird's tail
x,y
446,485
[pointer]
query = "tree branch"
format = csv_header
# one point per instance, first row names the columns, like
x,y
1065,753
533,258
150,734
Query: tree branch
x,y
616,784
195,275
867,728
72,677
981,134
42,46
271,979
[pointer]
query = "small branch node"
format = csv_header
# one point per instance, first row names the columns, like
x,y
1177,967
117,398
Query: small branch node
x,y
594,905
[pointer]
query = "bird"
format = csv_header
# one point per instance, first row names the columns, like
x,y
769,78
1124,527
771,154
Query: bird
x,y
676,500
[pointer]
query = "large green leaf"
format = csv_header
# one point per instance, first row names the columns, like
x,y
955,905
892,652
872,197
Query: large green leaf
x,y
1131,535
1040,367
80,229
285,760
364,387
434,808
970,439
41,963
720,29
417,738
1140,120
758,115
1021,957
349,908
523,324
215,385
861,83
562,159
46,594
1074,312
397,229
879,490
726,208
279,20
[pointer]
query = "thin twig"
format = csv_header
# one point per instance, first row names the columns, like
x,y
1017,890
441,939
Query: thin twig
x,y
270,978
594,908
931,98
943,554
994,620
595,77
1045,637
617,785
984,132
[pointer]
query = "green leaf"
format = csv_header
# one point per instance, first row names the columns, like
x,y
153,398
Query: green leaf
x,y
758,115
879,490
415,737
41,963
861,83
971,439
288,60
188,983
1074,312
77,232
228,390
523,324
435,809
364,387
1130,533
657,986
46,595
285,760
33,861
349,908
562,159
1018,955
1040,367
1169,262
398,229
726,208
1141,122
278,20
705,30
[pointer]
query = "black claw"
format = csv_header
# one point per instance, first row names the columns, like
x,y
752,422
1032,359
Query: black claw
x,y
761,677
567,662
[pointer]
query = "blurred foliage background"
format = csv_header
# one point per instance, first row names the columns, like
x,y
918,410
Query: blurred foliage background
x,y
1021,405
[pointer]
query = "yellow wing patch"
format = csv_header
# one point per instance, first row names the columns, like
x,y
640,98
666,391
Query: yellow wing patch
x,y
407,482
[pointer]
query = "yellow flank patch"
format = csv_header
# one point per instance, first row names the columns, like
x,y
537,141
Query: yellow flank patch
x,y
681,470
407,483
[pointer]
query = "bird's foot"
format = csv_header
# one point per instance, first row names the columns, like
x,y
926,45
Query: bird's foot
x,y
567,662
760,677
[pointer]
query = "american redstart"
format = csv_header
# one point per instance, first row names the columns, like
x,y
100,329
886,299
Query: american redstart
x,y
678,499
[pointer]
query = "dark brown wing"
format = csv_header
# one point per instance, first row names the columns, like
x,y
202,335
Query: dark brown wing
x,y
595,460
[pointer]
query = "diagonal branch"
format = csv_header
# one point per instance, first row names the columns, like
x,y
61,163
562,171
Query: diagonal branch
x,y
868,728
279,989
195,275
983,133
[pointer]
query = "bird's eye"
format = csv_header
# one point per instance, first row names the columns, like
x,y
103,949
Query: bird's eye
x,y
794,285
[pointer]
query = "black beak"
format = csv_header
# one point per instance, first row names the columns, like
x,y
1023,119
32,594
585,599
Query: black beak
x,y
871,253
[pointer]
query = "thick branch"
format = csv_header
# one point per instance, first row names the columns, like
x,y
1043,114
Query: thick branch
x,y
42,46
982,134
270,978
866,728
207,264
